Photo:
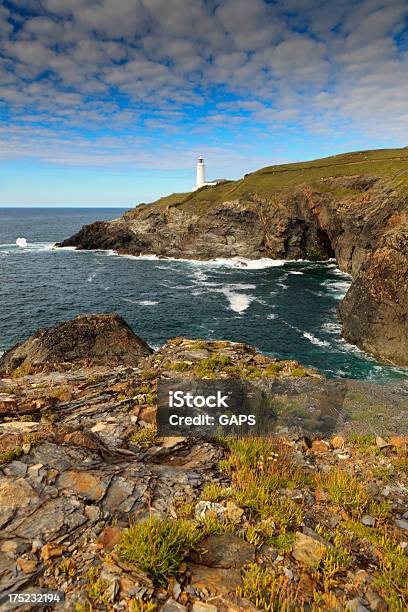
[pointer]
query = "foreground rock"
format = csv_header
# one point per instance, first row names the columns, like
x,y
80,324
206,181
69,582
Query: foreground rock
x,y
79,460
104,339
352,207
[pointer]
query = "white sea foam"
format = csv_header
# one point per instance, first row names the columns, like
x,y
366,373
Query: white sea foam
x,y
141,302
271,316
315,340
238,302
338,288
22,243
91,277
295,272
332,327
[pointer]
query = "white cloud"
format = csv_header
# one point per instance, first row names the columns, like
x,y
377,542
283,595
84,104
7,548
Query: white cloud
x,y
148,64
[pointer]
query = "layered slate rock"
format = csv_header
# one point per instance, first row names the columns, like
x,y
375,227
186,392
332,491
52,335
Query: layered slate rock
x,y
352,207
72,480
102,339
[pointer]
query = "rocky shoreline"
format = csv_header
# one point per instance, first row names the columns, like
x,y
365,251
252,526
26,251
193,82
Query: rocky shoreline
x,y
352,207
311,522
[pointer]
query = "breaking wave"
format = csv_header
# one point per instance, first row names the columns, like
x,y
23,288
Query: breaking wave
x,y
314,340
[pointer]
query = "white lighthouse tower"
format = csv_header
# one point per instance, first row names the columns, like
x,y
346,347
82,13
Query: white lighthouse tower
x,y
200,173
201,182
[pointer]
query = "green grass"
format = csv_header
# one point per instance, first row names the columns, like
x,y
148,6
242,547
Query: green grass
x,y
145,437
268,591
392,577
267,184
345,491
10,454
157,546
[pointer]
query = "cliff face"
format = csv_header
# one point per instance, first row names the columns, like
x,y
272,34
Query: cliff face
x,y
352,207
99,339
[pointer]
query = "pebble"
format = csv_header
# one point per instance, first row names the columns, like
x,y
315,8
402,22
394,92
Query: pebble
x,y
173,606
402,524
355,605
368,520
381,443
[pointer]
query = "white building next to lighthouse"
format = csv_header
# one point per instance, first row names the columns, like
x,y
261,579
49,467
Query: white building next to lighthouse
x,y
201,182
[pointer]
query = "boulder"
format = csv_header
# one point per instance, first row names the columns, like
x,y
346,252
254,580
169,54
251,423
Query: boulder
x,y
102,339
224,551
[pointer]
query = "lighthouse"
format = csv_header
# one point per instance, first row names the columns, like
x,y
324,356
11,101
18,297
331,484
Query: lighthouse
x,y
200,173
201,182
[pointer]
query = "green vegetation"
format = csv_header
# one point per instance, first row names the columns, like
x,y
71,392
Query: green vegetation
x,y
137,605
283,541
157,546
10,454
212,492
336,560
267,184
298,372
24,370
145,437
401,464
259,467
268,591
315,254
392,578
345,491
97,589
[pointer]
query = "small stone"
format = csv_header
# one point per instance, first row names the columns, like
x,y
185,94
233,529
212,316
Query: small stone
x,y
321,495
308,550
207,509
51,550
399,442
223,551
343,456
320,446
337,442
148,414
381,443
355,605
234,512
288,572
376,603
26,565
36,545
176,590
26,448
93,513
368,520
173,606
201,606
401,524
109,537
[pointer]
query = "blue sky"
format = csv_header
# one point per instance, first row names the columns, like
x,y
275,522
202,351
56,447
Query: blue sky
x,y
109,102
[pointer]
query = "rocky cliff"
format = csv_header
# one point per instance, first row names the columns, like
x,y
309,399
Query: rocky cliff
x,y
104,339
352,207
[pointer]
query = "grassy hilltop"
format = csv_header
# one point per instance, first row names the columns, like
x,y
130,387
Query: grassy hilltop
x,y
383,163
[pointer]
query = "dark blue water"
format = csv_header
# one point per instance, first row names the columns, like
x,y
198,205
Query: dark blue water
x,y
286,309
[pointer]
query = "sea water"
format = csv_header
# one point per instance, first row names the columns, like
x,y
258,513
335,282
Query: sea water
x,y
287,309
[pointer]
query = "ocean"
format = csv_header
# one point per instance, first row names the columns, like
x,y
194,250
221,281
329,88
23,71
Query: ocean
x,y
287,309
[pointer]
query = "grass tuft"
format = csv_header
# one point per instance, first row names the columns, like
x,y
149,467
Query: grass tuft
x,y
157,546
